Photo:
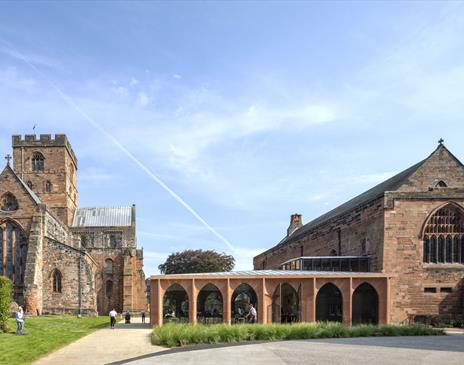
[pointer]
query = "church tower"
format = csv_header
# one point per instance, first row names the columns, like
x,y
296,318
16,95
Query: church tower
x,y
49,167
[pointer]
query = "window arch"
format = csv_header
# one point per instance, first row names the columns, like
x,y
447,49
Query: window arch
x,y
48,187
109,288
57,281
37,162
444,235
109,266
9,202
441,184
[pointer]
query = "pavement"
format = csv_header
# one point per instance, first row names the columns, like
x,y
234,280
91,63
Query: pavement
x,y
105,346
424,350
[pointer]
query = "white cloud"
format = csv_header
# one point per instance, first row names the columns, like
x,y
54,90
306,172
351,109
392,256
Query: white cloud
x,y
142,99
176,76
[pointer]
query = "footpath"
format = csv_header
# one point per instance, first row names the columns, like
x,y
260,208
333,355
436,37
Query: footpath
x,y
105,346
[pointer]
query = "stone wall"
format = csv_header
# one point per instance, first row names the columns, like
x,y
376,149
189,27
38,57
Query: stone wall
x,y
77,271
360,232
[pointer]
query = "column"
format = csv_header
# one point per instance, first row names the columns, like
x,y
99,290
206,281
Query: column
x,y
226,305
156,303
13,254
311,310
348,301
262,313
193,303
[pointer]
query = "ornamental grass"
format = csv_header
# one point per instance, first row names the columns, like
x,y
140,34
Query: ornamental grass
x,y
175,334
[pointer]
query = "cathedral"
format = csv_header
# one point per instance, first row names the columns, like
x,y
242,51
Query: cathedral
x,y
62,258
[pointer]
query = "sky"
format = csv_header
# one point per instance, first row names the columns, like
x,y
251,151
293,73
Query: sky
x,y
221,119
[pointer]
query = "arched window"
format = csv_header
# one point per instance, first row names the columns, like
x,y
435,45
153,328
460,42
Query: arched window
x,y
443,234
56,281
29,184
37,162
109,266
109,288
441,184
9,202
48,187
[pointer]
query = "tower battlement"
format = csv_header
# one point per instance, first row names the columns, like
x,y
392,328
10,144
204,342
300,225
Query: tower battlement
x,y
44,140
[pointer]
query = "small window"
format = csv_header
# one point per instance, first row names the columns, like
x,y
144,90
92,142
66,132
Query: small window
x,y
56,281
430,290
84,241
446,290
109,288
29,184
37,162
109,266
48,187
9,202
441,184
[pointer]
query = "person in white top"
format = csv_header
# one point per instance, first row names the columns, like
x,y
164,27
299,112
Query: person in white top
x,y
113,315
251,314
20,321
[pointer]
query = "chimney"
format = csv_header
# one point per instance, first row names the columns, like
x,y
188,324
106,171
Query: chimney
x,y
295,223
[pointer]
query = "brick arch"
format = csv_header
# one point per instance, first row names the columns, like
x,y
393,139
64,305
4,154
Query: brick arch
x,y
365,308
329,308
178,306
433,212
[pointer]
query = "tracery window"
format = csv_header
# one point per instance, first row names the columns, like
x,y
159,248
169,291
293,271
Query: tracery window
x,y
37,162
56,281
9,202
444,236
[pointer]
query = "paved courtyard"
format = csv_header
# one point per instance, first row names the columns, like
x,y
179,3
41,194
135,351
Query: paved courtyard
x,y
433,350
105,346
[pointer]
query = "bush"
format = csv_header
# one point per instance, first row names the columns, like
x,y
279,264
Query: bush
x,y
173,334
5,302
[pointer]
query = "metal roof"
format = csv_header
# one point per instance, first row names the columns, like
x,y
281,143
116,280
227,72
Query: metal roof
x,y
271,273
118,216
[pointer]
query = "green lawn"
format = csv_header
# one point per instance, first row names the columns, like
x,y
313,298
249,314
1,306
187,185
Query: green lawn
x,y
46,334
174,334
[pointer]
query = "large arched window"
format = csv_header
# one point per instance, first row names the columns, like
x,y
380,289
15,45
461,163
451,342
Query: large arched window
x,y
56,281
444,236
9,202
37,162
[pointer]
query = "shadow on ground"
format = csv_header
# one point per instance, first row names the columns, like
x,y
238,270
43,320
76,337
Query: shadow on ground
x,y
449,343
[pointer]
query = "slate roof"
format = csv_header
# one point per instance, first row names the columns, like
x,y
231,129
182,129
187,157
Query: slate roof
x,y
376,192
117,216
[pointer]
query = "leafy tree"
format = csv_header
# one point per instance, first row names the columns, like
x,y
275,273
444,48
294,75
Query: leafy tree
x,y
5,302
193,261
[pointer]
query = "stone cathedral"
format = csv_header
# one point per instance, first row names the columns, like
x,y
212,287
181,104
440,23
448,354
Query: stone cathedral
x,y
62,258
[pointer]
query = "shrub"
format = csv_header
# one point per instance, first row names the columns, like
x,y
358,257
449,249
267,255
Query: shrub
x,y
173,334
5,302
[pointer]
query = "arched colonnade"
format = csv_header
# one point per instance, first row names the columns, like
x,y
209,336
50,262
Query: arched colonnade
x,y
282,298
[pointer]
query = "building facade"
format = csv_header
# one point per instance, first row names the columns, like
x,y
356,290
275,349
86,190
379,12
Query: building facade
x,y
410,227
62,258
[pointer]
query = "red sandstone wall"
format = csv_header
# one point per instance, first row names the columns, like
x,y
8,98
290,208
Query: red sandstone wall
x,y
364,223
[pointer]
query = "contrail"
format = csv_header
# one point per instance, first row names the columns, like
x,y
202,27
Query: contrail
x,y
129,154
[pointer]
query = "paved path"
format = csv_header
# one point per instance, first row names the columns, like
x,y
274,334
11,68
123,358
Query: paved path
x,y
105,346
433,350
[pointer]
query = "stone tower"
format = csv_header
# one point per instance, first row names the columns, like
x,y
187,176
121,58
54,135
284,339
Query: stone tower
x,y
49,168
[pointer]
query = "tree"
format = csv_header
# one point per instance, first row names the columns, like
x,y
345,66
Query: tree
x,y
5,302
192,261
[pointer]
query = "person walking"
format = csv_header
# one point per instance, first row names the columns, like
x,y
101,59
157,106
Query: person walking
x,y
142,313
20,321
113,315
251,314
127,317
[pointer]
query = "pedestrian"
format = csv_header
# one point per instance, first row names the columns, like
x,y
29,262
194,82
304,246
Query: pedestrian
x,y
251,314
113,315
20,321
142,313
127,317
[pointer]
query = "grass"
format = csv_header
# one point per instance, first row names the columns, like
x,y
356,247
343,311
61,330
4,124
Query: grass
x,y
46,334
173,334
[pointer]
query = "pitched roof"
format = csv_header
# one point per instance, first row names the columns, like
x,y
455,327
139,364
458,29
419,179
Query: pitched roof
x,y
33,195
376,192
118,216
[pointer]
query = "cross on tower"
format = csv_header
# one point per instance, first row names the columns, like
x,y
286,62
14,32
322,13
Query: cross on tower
x,y
8,158
441,140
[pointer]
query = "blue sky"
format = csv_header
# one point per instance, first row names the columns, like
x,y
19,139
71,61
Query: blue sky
x,y
249,111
